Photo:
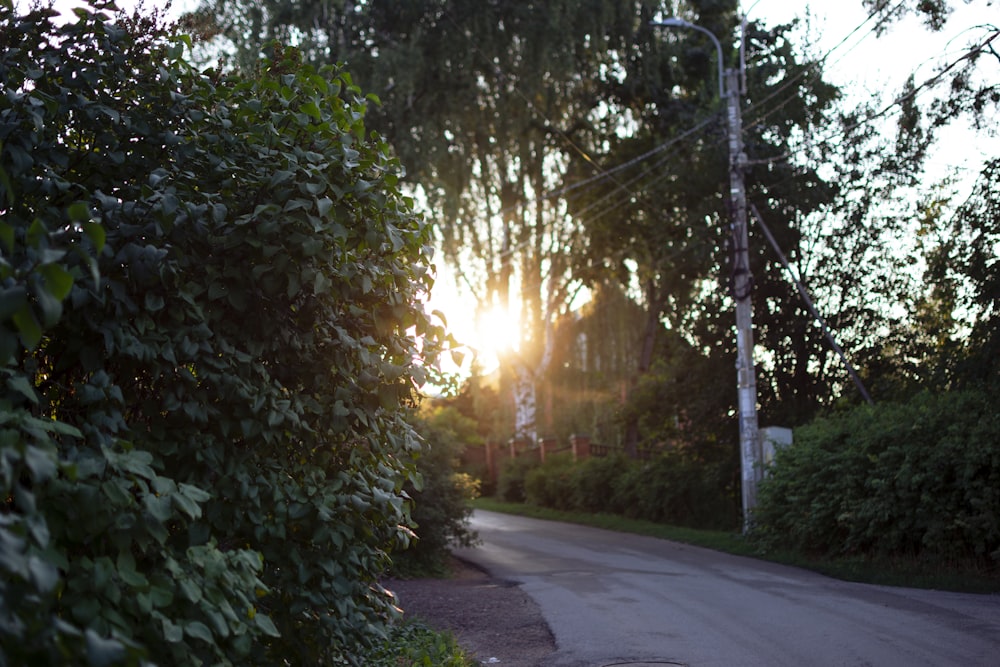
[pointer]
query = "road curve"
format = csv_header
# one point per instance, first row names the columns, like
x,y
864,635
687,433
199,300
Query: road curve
x,y
617,599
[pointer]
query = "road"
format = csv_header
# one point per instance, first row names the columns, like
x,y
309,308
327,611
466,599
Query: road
x,y
617,599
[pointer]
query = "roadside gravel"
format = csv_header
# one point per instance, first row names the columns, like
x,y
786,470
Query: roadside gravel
x,y
493,620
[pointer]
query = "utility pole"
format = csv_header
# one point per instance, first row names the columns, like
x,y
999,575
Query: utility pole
x,y
751,456
741,281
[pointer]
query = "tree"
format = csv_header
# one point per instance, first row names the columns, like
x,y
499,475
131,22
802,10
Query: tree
x,y
964,274
666,230
209,325
483,104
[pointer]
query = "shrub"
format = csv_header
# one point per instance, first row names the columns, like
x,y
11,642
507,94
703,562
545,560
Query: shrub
x,y
920,479
510,481
594,483
416,645
207,289
674,487
440,496
551,484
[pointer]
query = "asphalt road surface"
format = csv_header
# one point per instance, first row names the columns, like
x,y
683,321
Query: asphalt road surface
x,y
617,599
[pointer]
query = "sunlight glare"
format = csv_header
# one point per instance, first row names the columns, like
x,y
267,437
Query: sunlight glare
x,y
496,334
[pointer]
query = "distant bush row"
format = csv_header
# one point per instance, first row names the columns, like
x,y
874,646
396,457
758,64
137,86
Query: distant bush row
x,y
676,487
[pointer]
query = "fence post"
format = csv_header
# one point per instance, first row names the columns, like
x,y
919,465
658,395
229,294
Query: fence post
x,y
517,446
545,446
581,446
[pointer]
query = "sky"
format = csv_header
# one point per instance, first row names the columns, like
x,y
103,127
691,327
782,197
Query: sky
x,y
867,63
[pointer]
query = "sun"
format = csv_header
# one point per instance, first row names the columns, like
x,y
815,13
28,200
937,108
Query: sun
x,y
485,333
497,333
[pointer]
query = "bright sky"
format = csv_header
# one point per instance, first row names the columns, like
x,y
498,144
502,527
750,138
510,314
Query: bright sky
x,y
864,63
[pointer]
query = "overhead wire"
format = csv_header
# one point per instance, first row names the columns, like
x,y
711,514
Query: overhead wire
x,y
609,174
603,174
897,102
812,72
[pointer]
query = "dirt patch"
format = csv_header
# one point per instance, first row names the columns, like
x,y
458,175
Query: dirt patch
x,y
494,620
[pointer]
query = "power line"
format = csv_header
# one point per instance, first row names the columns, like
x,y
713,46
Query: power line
x,y
812,71
811,306
898,102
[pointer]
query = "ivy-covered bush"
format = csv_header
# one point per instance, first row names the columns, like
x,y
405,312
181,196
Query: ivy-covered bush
x,y
209,323
916,480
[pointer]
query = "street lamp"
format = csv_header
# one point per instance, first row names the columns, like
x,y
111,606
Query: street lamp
x,y
742,282
681,23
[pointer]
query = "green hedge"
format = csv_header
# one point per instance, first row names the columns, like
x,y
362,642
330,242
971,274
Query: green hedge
x,y
674,487
916,480
209,293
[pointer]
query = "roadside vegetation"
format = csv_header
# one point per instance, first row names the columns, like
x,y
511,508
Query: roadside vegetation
x,y
211,338
898,494
415,645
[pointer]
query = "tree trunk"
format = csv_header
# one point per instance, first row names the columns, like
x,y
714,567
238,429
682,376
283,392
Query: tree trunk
x,y
645,361
525,404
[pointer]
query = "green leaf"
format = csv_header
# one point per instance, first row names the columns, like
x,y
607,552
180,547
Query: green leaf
x,y
41,463
186,505
199,630
54,426
79,211
102,652
158,507
36,232
324,204
28,327
154,302
84,610
190,590
280,176
266,625
21,385
44,575
58,280
128,573
12,299
160,596
50,306
311,109
95,232
172,632
195,493
136,462
7,236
